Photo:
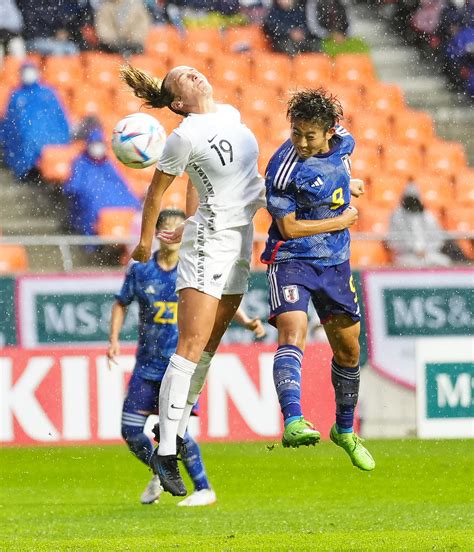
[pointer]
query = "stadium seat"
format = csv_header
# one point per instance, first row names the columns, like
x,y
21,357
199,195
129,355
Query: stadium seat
x,y
13,258
63,72
56,160
167,118
383,97
266,152
10,69
137,180
87,100
368,254
375,219
386,189
206,41
465,187
175,195
233,70
102,70
459,219
365,161
354,68
151,64
312,70
445,157
163,41
371,128
224,93
350,98
125,103
256,99
245,39
403,160
436,190
272,70
115,222
201,62
5,93
413,127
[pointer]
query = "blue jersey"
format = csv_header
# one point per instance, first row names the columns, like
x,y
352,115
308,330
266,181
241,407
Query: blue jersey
x,y
315,188
155,291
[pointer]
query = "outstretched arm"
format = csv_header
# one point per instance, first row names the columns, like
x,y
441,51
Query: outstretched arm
x,y
151,209
291,228
119,312
253,324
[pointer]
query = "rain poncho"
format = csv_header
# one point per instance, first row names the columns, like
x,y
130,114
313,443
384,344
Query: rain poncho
x,y
34,118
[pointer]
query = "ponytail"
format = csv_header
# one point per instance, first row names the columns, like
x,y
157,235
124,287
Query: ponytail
x,y
146,87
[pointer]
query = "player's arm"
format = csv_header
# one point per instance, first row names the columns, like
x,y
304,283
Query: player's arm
x,y
253,324
291,228
151,209
119,312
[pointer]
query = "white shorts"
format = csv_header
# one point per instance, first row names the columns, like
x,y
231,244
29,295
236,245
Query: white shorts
x,y
215,262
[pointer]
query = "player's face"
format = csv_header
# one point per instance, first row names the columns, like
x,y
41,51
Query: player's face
x,y
170,223
310,139
187,84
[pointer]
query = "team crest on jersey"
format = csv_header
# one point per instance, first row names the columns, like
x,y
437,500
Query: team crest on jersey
x,y
291,294
346,161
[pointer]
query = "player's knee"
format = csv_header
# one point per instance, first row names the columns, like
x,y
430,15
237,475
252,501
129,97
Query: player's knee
x,y
348,355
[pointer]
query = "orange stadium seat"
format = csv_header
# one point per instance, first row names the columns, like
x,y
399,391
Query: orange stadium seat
x,y
63,71
365,161
201,62
175,195
5,93
355,68
312,70
137,180
163,41
115,222
245,39
274,70
13,258
56,160
375,219
203,41
465,187
224,93
255,99
350,98
403,160
124,103
386,189
436,190
414,128
234,70
10,69
87,100
383,97
102,70
371,128
445,157
459,219
167,118
266,152
368,253
151,64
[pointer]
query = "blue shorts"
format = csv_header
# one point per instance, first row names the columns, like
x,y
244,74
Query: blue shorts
x,y
143,394
331,289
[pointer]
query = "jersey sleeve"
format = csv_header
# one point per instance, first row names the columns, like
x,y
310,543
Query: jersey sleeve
x,y
127,293
175,156
348,142
281,202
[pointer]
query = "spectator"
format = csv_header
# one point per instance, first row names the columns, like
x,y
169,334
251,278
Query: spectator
x,y
286,29
122,26
415,238
34,118
327,19
95,183
52,26
11,24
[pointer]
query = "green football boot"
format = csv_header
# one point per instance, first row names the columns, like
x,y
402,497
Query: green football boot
x,y
352,444
300,433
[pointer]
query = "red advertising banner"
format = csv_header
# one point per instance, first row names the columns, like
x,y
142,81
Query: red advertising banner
x,y
65,396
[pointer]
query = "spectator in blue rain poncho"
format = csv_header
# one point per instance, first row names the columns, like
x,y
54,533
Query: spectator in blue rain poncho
x,y
94,184
33,119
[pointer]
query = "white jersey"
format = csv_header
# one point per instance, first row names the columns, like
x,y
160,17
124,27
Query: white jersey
x,y
219,154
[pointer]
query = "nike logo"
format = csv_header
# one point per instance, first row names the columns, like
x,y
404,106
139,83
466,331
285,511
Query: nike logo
x,y
216,276
213,138
177,407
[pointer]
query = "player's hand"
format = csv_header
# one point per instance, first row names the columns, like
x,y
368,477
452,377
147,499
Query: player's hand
x,y
112,352
357,187
255,325
349,216
142,253
171,236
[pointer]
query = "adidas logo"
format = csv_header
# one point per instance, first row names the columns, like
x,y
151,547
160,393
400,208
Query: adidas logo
x,y
318,182
150,289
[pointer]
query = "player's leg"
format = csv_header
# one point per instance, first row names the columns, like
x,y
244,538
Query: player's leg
x,y
203,494
225,313
138,405
288,312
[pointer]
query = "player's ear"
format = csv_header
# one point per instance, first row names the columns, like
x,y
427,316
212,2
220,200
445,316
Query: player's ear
x,y
330,133
177,104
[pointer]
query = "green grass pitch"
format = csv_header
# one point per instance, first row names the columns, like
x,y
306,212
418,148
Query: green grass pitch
x,y
87,498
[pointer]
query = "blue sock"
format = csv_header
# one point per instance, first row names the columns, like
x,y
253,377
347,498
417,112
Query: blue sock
x,y
287,379
193,463
132,431
346,385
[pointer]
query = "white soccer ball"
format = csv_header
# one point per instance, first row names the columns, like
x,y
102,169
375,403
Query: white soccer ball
x,y
138,140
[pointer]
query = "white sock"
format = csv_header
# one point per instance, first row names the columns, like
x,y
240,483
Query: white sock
x,y
173,393
198,380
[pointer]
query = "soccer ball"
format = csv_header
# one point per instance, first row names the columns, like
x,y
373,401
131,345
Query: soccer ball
x,y
138,140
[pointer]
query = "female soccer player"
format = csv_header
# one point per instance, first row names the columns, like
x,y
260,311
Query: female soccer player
x,y
308,179
153,286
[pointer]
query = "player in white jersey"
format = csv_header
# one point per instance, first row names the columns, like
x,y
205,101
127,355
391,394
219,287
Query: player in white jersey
x,y
219,154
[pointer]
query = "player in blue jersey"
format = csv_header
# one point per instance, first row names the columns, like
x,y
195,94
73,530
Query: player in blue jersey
x,y
153,285
308,187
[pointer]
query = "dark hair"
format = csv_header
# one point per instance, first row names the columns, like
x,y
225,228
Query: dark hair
x,y
315,106
169,213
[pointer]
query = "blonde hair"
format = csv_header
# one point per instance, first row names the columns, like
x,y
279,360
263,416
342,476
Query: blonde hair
x,y
147,87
